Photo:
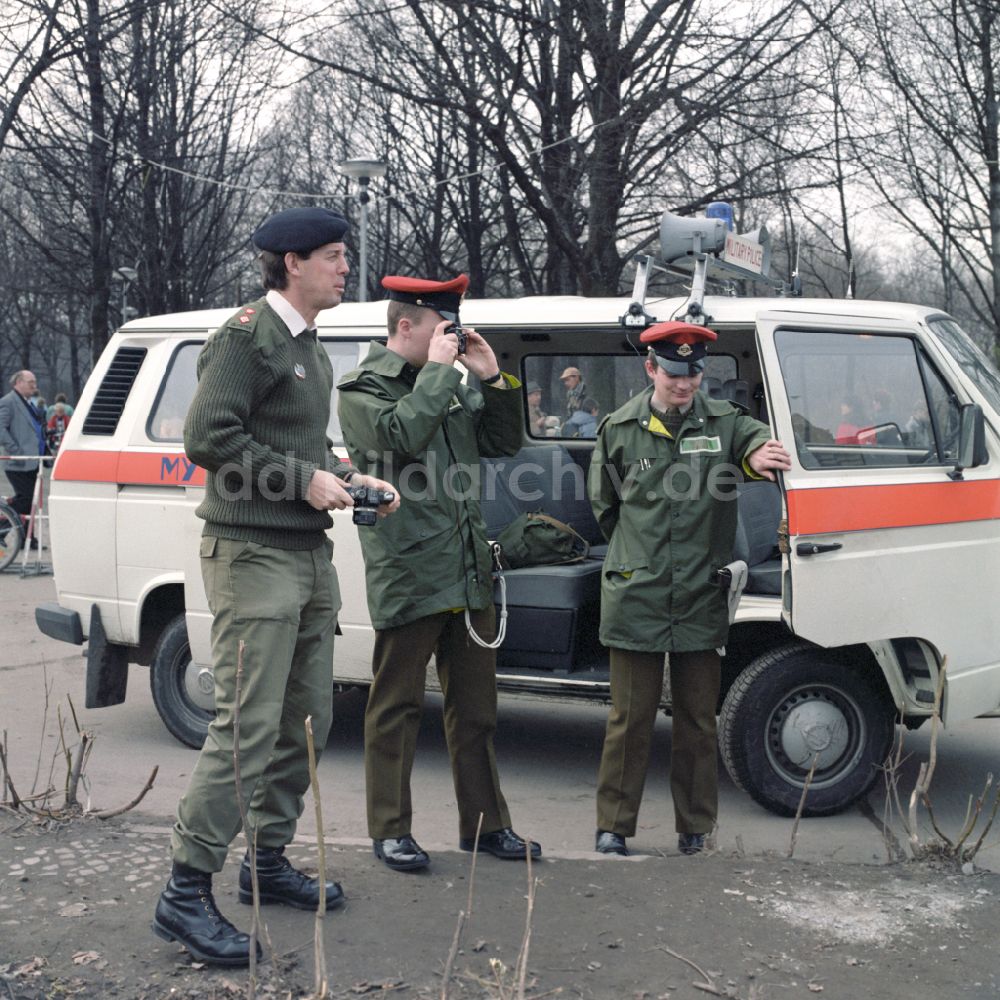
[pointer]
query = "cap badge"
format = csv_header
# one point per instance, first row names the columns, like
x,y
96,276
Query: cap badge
x,y
684,350
300,372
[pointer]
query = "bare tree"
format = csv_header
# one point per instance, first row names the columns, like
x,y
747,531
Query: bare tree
x,y
138,152
929,139
575,116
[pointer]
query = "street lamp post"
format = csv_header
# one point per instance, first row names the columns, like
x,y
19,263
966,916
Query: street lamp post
x,y
363,169
126,275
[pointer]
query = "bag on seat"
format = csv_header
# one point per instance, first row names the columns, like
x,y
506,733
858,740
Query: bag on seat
x,y
539,540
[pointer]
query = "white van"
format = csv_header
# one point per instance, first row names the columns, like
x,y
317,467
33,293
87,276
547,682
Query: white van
x,y
874,559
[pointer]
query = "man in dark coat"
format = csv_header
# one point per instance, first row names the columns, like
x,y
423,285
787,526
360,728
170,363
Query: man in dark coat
x,y
21,433
662,484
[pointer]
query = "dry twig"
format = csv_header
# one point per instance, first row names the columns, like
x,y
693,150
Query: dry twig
x,y
108,813
521,966
321,987
250,837
464,916
708,984
802,805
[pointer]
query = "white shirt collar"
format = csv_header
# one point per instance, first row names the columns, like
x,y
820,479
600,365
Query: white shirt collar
x,y
287,313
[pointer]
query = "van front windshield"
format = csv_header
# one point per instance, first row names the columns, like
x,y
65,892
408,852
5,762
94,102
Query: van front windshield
x,y
970,358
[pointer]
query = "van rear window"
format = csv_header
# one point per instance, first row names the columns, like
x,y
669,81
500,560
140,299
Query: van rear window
x,y
106,409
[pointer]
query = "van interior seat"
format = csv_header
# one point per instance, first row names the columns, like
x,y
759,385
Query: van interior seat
x,y
711,386
551,606
757,535
737,390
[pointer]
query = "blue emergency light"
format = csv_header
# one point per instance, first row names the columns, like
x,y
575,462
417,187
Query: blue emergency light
x,y
720,210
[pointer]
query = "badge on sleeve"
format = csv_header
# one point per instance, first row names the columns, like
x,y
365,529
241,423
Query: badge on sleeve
x,y
300,372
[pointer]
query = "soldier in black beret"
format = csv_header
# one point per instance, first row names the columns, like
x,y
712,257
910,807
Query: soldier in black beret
x,y
257,424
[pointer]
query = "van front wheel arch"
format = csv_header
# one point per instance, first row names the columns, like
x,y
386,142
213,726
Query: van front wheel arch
x,y
180,693
801,703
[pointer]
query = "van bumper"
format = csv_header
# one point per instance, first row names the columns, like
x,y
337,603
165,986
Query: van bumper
x,y
59,623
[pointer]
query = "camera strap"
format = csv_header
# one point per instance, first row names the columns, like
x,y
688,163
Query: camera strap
x,y
502,628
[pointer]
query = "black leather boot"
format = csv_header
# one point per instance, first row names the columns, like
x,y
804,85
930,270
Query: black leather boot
x,y
186,913
279,882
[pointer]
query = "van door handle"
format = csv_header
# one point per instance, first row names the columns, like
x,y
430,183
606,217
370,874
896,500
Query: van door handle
x,y
814,548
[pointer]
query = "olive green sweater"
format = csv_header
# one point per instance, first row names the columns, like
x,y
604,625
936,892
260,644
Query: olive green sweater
x,y
258,426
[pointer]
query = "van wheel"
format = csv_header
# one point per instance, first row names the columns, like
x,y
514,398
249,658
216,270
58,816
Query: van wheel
x,y
183,692
800,702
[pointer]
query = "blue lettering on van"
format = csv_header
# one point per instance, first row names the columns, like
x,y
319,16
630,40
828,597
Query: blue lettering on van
x,y
179,469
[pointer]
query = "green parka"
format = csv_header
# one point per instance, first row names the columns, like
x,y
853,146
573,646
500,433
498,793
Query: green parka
x,y
668,509
423,431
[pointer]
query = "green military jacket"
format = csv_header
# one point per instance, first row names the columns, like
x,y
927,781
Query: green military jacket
x,y
668,509
423,431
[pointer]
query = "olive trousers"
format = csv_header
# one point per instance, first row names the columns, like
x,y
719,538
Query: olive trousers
x,y
283,605
467,674
636,689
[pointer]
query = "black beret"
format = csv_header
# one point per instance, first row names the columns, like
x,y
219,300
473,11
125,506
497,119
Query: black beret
x,y
300,230
443,297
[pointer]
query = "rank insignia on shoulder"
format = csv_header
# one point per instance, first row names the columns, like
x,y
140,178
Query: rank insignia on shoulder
x,y
249,311
300,372
244,319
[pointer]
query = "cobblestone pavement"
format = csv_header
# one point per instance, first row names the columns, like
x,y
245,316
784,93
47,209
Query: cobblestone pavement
x,y
76,901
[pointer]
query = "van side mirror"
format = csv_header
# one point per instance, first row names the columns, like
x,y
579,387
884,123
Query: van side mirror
x,y
971,440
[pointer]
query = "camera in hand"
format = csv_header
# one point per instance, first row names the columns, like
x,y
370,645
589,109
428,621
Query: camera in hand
x,y
463,337
366,500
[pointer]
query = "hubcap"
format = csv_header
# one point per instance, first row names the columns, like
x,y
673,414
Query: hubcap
x,y
199,685
815,721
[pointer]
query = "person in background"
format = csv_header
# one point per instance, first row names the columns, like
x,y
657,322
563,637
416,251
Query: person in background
x,y
57,425
406,415
850,417
60,398
22,433
536,417
583,423
657,483
257,425
576,389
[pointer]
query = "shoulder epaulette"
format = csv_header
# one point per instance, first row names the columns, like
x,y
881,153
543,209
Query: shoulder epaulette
x,y
245,319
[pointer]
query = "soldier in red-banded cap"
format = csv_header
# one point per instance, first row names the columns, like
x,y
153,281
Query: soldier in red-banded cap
x,y
662,483
405,414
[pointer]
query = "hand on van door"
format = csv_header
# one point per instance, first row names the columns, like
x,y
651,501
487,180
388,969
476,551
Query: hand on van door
x,y
770,455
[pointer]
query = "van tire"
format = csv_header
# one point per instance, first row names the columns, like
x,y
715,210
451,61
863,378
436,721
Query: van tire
x,y
168,680
845,701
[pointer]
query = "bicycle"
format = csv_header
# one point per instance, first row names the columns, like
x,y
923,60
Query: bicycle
x,y
20,530
11,534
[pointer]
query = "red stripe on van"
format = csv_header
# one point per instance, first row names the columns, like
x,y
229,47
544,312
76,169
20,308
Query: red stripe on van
x,y
128,468
86,466
860,508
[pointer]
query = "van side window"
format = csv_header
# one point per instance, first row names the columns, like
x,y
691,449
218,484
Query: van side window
x,y
166,422
865,400
568,395
344,356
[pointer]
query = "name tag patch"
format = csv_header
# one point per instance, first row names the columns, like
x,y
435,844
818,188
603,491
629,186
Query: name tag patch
x,y
690,445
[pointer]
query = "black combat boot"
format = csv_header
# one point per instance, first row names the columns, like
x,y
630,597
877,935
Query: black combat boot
x,y
279,882
186,913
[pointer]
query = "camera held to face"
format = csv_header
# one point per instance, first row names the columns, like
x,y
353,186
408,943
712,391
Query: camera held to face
x,y
463,337
366,501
